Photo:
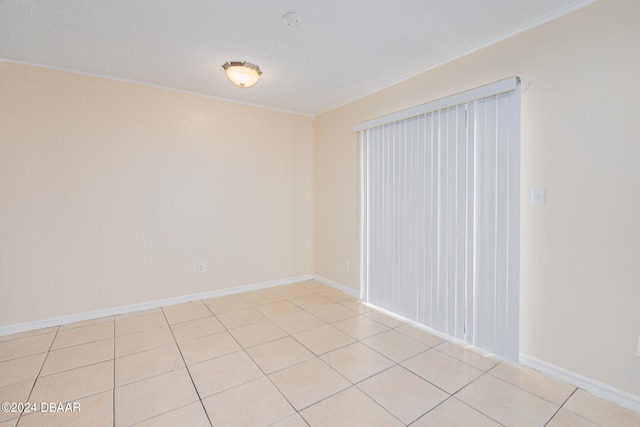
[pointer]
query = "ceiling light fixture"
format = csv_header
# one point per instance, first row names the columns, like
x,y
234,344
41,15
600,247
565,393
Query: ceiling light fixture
x,y
241,73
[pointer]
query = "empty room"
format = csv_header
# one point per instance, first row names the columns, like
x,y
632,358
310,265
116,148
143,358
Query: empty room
x,y
335,213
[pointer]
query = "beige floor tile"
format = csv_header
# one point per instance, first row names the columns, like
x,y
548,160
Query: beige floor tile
x,y
226,304
298,322
258,333
442,370
130,325
386,320
394,345
551,389
25,346
143,341
208,347
360,327
15,393
196,328
292,291
185,312
262,297
21,370
83,335
349,408
333,312
337,296
239,318
257,403
279,309
470,355
77,356
11,423
223,373
294,420
75,384
420,335
139,313
95,410
357,306
294,382
311,301
90,322
323,339
356,361
601,411
147,364
403,393
454,413
505,403
279,354
145,399
315,286
565,418
192,415
27,334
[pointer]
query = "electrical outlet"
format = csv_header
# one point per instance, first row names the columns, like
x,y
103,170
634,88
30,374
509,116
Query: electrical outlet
x,y
346,263
638,354
201,267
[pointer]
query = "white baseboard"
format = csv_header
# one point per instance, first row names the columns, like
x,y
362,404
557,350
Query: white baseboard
x,y
63,320
612,394
339,286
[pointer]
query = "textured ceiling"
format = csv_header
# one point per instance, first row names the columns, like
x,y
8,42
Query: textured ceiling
x,y
343,50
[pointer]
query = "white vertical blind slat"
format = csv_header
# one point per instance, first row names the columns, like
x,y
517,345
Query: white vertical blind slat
x,y
513,229
442,228
461,237
451,190
469,226
502,179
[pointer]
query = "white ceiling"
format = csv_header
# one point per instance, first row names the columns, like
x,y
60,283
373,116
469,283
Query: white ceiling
x,y
343,50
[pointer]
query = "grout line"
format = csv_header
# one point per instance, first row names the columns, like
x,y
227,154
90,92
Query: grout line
x,y
439,404
562,405
35,381
31,334
269,379
372,398
162,413
175,341
488,372
465,404
29,354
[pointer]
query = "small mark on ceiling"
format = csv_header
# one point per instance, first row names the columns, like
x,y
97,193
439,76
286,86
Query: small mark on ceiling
x,y
292,19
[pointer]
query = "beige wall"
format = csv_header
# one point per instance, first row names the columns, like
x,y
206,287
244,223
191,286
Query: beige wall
x,y
111,193
580,270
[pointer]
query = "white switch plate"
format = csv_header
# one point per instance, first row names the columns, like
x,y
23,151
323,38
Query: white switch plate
x,y
346,263
638,346
537,196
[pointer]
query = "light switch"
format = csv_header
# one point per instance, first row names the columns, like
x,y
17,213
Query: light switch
x,y
537,196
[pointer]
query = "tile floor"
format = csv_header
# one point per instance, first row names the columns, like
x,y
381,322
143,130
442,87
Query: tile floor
x,y
294,355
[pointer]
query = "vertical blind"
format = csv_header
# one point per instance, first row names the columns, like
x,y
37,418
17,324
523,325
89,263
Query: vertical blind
x,y
441,215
